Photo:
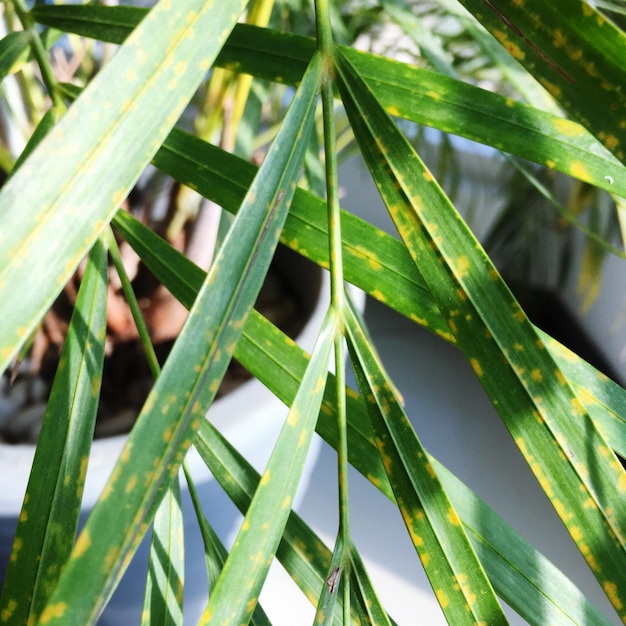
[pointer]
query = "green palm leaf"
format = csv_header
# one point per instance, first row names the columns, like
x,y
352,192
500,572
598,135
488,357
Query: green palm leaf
x,y
163,601
280,364
87,164
196,365
49,517
534,399
416,94
578,60
460,584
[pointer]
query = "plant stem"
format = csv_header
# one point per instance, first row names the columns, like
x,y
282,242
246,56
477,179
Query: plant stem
x,y
40,53
325,45
129,294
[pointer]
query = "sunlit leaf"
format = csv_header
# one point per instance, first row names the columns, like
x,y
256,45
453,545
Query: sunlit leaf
x,y
457,578
163,601
252,552
49,517
266,352
578,60
86,165
194,369
546,419
416,94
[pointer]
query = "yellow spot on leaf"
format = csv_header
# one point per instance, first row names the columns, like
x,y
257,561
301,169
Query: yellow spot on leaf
x,y
293,417
110,558
536,375
555,90
82,544
578,170
611,591
167,434
379,295
577,406
562,511
431,470
513,49
453,517
476,366
18,544
131,483
52,611
442,598
8,611
319,385
610,141
265,478
518,313
559,38
621,481
567,127
446,335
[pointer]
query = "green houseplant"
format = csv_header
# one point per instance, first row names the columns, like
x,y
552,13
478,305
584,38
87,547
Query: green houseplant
x,y
58,206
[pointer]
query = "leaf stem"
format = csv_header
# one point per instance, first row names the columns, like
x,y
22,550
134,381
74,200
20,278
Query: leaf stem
x,y
40,53
338,298
131,299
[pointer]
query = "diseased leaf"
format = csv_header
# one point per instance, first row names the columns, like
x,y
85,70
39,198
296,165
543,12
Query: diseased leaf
x,y
49,517
546,419
86,165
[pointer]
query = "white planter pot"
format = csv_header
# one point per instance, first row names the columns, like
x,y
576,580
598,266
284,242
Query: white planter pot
x,y
249,417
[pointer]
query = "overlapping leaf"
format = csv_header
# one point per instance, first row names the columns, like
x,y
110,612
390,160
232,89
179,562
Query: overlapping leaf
x,y
190,378
373,260
280,364
413,93
49,517
534,399
87,164
578,60
460,584
265,520
163,601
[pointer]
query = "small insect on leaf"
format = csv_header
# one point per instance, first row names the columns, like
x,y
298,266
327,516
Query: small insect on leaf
x,y
333,580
